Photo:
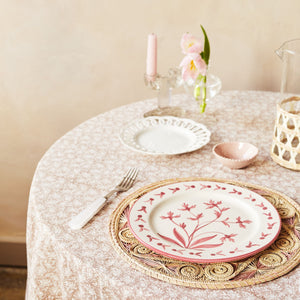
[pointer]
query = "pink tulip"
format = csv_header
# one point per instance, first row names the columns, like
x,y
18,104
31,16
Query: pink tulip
x,y
191,44
192,66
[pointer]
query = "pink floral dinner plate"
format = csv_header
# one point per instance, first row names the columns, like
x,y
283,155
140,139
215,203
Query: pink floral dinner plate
x,y
204,221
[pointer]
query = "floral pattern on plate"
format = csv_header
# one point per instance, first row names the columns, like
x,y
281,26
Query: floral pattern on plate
x,y
204,221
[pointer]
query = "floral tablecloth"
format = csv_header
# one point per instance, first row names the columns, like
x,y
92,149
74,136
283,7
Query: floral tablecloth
x,y
85,163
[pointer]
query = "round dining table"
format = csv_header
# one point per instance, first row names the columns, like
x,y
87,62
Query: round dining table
x,y
88,161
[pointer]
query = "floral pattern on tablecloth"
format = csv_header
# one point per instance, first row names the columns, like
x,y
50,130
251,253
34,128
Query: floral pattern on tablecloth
x,y
85,163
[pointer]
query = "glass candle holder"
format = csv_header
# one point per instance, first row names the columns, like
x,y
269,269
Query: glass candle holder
x,y
164,86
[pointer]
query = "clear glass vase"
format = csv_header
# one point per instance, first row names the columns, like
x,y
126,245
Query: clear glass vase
x,y
213,86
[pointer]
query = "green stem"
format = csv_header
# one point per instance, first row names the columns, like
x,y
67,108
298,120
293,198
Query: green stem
x,y
200,93
203,103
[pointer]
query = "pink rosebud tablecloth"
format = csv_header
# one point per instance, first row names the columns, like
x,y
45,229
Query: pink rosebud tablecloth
x,y
89,160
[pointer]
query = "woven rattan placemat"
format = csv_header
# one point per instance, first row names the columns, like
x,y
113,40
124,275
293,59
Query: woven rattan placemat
x,y
277,260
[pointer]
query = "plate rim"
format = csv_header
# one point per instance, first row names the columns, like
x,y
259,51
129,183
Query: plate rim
x,y
189,121
205,260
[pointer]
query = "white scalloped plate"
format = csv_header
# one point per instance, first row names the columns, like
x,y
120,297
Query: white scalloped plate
x,y
204,221
164,135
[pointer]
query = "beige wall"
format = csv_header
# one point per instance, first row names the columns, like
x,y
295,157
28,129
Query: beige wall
x,y
63,61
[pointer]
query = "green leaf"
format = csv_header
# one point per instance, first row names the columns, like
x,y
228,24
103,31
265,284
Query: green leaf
x,y
206,52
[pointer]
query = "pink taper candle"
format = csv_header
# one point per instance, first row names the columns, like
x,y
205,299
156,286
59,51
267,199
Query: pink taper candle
x,y
151,56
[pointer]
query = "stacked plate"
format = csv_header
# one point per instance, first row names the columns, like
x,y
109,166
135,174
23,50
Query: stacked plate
x,y
204,221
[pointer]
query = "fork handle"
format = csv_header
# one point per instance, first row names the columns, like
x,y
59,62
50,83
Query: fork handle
x,y
87,214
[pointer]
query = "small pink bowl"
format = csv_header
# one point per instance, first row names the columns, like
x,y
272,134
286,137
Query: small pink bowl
x,y
235,155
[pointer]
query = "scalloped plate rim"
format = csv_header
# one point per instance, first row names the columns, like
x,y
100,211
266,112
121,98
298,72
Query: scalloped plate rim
x,y
145,151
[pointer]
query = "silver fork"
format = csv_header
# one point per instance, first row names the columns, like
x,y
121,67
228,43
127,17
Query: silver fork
x,y
87,214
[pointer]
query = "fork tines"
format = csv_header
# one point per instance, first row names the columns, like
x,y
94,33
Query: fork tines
x,y
129,177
